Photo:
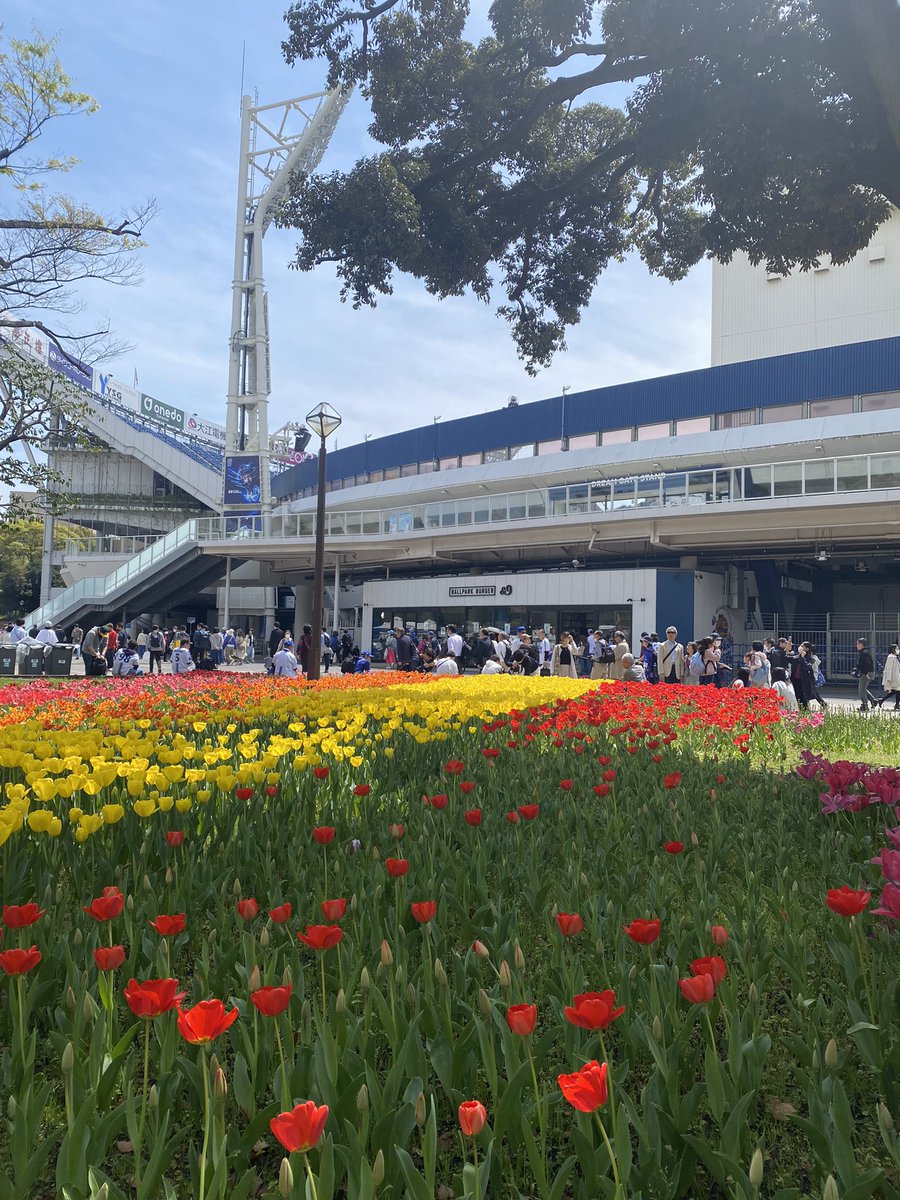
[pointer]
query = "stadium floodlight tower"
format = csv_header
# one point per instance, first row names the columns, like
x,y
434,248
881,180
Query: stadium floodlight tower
x,y
277,141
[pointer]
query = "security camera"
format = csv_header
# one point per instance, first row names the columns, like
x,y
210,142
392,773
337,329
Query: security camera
x,y
576,563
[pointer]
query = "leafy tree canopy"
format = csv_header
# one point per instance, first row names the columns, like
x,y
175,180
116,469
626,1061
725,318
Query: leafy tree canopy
x,y
578,130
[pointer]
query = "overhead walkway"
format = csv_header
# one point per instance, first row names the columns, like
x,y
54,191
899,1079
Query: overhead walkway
x,y
191,464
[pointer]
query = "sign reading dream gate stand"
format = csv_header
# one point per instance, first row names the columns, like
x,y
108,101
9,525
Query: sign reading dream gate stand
x,y
485,590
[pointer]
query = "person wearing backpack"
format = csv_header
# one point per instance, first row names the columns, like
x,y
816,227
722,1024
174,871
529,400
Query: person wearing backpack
x,y
156,646
709,661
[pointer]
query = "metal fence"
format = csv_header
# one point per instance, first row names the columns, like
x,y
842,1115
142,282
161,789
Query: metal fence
x,y
832,635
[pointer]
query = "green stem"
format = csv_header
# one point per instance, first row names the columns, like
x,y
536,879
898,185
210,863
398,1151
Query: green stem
x,y
861,954
540,1107
204,1066
322,968
285,1093
20,990
609,1079
477,1174
310,1177
612,1157
140,1137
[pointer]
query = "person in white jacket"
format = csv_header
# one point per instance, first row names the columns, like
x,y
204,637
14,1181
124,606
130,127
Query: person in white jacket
x,y
46,635
890,677
181,658
285,660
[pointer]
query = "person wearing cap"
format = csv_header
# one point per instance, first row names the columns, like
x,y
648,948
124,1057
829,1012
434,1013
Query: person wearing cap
x,y
670,658
620,649
92,649
363,663
285,660
648,659
46,635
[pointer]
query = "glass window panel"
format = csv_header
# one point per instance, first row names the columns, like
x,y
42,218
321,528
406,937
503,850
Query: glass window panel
x,y
418,517
623,494
306,526
353,523
522,451
537,505
432,516
448,515
736,420
426,468
584,441
601,496
492,456
336,524
553,447
557,497
448,464
517,506
852,474
818,475
464,512
409,469
693,425
648,493
758,483
831,408
722,486
471,460
647,433
615,437
578,498
392,472
499,508
675,491
481,507
361,480
700,487
371,522
376,476
885,470
788,478
782,412
879,401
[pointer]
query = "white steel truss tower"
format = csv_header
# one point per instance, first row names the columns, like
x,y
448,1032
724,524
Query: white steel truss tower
x,y
277,141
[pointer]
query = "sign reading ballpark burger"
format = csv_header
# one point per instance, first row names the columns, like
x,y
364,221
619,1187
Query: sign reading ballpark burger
x,y
113,391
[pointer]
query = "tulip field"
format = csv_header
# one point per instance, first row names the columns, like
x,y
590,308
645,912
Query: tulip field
x,y
527,939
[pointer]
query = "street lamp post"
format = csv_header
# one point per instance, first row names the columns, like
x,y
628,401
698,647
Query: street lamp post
x,y
323,420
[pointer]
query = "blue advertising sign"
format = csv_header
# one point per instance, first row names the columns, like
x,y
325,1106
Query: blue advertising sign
x,y
78,372
242,484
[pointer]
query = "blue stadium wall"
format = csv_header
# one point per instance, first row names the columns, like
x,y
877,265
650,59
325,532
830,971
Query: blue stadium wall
x,y
856,369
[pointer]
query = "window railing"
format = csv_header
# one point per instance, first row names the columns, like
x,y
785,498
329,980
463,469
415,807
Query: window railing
x,y
111,543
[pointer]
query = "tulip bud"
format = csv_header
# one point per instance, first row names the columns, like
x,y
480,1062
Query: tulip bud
x,y
753,994
701,865
306,1019
362,1099
129,902
399,975
378,1169
353,903
484,1004
214,1064
12,1108
816,1061
831,1055
67,1062
220,1085
387,958
440,974
480,949
70,997
264,937
609,908
657,1028
695,841
170,876
145,883
830,1190
410,995
365,981
632,974
420,1110
340,1002
795,888
89,1008
212,938
236,887
285,1178
585,882
102,1192
77,937
153,1096
755,1174
375,853
505,976
884,1116
255,980
287,977
518,957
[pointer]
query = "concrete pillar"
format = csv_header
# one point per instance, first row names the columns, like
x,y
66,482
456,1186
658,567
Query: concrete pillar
x,y
303,606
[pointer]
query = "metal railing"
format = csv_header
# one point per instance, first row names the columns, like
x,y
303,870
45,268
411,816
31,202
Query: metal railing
x,y
114,544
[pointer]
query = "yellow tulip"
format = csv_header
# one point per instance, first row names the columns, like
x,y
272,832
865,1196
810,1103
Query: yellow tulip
x,y
75,815
183,804
145,808
40,820
112,813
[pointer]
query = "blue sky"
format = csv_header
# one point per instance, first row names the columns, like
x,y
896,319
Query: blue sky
x,y
168,80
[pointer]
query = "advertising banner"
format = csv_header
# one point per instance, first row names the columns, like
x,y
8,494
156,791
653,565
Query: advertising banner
x,y
242,477
32,341
108,388
203,428
78,372
166,414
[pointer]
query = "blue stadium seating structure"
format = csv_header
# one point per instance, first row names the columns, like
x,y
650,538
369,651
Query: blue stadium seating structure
x,y
206,455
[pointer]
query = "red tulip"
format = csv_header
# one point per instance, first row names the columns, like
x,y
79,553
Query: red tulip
x,y
174,837
490,752
529,811
440,801
608,776
846,902
334,910
586,1089
473,817
320,772
454,767
397,830
362,789
19,962
109,958
424,911
300,1129
720,779
271,789
522,1018
567,784
719,935
604,760
698,989
594,1010
107,906
168,926
481,949
711,965
20,916
152,997
282,913
396,867
272,1001
466,787
472,1117
321,937
323,834
205,1021
643,932
673,780
602,789
243,793
569,924
513,818
248,909
673,847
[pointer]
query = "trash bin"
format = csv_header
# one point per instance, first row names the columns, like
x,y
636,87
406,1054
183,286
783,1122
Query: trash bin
x,y
33,662
59,660
7,660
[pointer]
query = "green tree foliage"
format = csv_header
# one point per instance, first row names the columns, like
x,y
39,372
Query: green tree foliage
x,y
576,131
21,545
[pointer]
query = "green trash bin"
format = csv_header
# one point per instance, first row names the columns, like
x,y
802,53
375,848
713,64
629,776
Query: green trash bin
x,y
7,660
33,662
59,660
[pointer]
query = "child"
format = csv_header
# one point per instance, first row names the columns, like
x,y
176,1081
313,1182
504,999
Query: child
x,y
126,661
782,686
